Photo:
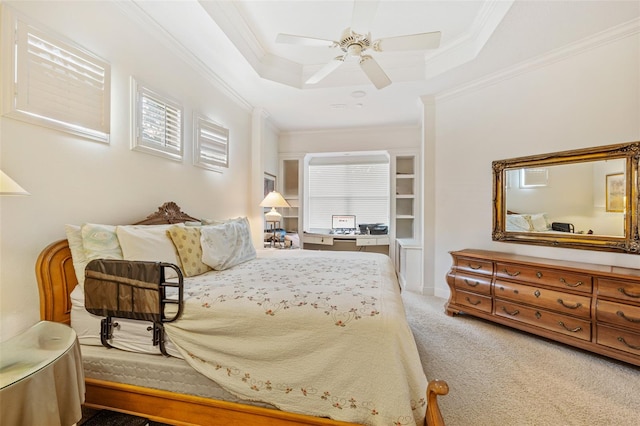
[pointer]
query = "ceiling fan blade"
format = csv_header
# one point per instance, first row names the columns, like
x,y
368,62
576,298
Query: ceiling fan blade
x,y
330,67
304,41
408,42
363,13
374,72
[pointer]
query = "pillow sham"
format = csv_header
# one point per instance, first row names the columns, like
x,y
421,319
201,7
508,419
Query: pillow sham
x,y
79,259
187,243
539,222
150,243
227,245
100,242
518,223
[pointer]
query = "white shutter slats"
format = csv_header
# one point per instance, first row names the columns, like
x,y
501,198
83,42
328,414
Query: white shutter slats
x,y
60,85
159,121
212,145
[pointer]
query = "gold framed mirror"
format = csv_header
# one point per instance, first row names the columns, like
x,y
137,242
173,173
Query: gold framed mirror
x,y
584,199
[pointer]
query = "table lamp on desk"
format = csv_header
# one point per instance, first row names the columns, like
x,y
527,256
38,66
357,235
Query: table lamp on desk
x,y
274,199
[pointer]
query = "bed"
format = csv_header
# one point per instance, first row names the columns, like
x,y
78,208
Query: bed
x,y
239,397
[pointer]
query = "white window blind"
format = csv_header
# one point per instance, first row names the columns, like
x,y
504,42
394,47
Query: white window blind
x,y
158,124
348,189
57,84
212,145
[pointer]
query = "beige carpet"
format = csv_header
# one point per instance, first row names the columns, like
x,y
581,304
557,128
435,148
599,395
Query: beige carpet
x,y
500,376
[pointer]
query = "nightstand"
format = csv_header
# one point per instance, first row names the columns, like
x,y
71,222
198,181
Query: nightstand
x,y
41,377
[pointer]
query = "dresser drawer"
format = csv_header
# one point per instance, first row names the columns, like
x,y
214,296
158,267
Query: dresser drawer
x,y
549,277
618,289
467,264
474,283
564,324
474,301
619,339
547,299
618,314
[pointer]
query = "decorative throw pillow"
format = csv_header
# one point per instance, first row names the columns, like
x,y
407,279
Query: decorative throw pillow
x,y
187,242
539,222
227,245
518,223
74,237
149,243
100,242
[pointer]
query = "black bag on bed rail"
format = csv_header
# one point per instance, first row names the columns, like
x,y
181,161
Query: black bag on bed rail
x,y
133,290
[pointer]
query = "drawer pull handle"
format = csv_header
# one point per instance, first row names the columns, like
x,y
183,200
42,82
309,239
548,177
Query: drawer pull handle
x,y
539,274
475,267
626,293
536,293
576,306
578,284
511,274
623,316
572,330
513,314
621,339
477,302
472,284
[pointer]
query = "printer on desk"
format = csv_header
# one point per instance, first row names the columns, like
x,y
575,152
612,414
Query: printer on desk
x,y
373,229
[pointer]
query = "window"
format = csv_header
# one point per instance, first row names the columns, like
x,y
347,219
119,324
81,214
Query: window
x,y
347,185
55,83
157,123
211,145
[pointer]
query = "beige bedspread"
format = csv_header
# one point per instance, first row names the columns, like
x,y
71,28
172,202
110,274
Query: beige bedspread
x,y
319,333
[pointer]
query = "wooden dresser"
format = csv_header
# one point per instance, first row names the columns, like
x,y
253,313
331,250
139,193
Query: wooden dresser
x,y
593,307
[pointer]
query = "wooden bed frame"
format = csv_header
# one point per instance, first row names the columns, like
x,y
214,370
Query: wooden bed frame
x,y
56,280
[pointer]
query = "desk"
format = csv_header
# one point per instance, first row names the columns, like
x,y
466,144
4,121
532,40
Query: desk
x,y
41,377
346,242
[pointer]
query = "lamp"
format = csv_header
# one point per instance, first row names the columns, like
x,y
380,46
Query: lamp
x,y
9,187
273,200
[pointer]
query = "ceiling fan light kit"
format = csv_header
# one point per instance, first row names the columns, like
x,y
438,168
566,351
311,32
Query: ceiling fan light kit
x,y
354,44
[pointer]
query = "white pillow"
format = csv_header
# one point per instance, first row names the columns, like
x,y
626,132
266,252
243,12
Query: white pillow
x,y
227,245
539,222
100,242
148,243
518,223
74,237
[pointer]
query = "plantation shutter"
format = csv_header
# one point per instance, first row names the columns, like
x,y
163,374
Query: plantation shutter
x,y
59,85
212,145
158,124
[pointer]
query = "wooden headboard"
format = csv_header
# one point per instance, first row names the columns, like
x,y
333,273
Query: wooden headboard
x,y
57,278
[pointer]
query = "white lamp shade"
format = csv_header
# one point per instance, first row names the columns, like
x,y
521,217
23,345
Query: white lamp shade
x,y
274,199
9,187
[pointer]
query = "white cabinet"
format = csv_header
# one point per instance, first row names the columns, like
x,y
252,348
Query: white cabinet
x,y
408,253
406,217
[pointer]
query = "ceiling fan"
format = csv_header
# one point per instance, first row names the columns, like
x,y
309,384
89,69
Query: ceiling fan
x,y
356,40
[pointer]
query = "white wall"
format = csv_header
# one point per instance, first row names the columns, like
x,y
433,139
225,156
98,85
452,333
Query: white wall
x,y
589,99
73,180
356,139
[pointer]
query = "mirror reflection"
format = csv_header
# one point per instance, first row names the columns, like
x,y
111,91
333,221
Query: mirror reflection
x,y
583,198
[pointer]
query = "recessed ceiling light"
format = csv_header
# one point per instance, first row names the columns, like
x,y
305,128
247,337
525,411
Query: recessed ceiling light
x,y
338,106
358,94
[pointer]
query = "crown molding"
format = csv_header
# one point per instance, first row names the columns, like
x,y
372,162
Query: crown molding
x,y
602,38
466,47
135,11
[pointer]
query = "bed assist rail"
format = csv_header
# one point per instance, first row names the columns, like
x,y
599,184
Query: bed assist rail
x,y
132,290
